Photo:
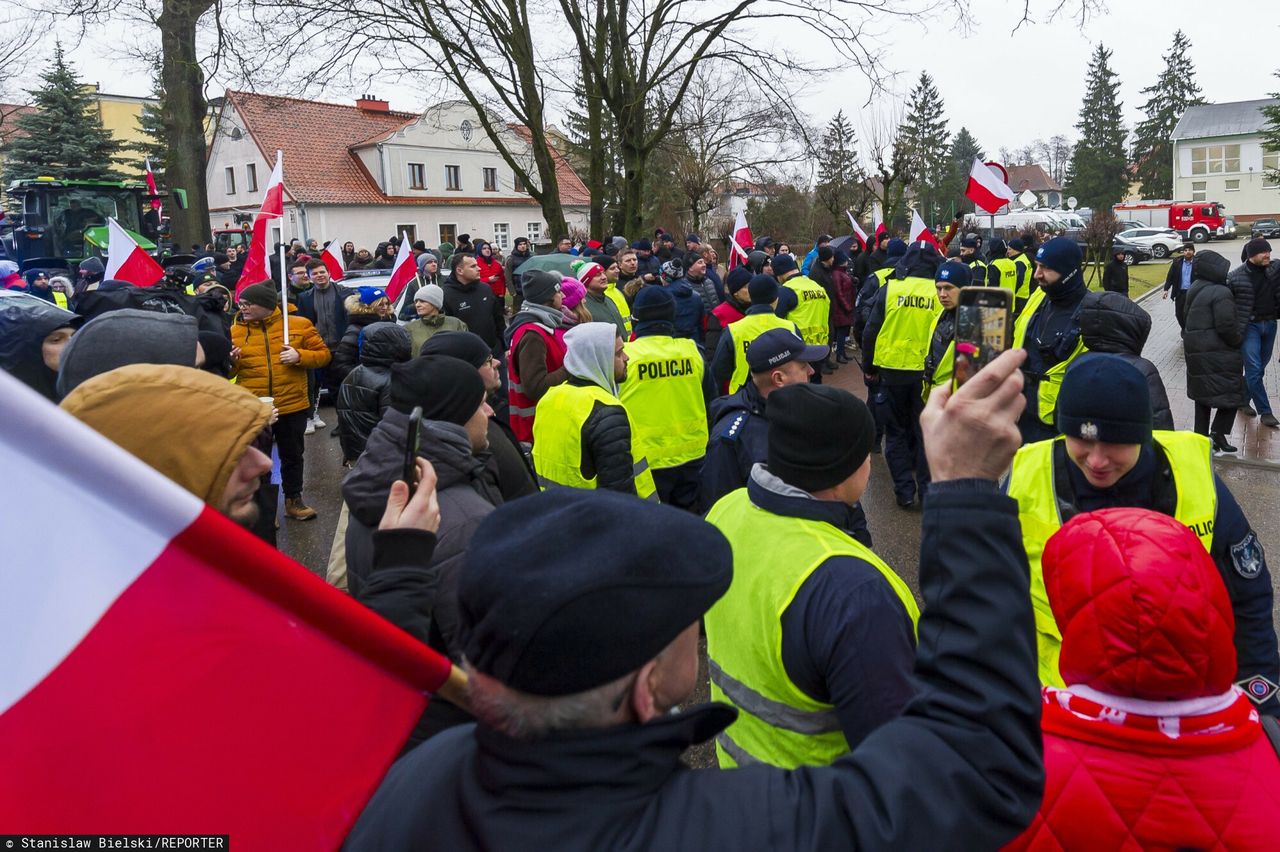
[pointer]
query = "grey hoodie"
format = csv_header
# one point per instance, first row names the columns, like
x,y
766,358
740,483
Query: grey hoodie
x,y
590,354
123,337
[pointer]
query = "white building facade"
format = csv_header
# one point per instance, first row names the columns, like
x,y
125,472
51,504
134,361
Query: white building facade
x,y
1218,155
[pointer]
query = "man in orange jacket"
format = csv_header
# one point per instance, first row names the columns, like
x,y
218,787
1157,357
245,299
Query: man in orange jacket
x,y
269,366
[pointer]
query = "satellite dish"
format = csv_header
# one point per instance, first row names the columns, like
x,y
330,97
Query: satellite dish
x,y
1027,198
1071,203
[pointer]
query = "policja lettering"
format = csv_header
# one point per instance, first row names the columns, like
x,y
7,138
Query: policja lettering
x,y
910,301
665,369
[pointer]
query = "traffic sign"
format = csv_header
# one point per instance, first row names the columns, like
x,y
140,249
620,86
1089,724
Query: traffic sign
x,y
1027,198
1071,203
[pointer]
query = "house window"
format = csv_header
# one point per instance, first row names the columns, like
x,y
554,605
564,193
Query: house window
x,y
417,176
251,178
502,235
1198,190
490,180
535,232
517,182
1233,185
449,233
1270,169
229,177
453,178
409,232
1215,159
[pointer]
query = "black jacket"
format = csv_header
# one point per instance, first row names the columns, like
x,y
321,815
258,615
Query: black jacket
x,y
1115,277
1264,284
1242,290
1112,323
365,392
346,355
917,263
963,762
944,334
337,294
606,445
1212,337
475,304
739,441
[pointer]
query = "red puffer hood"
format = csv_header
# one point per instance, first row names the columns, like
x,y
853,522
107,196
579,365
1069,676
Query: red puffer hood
x,y
1141,607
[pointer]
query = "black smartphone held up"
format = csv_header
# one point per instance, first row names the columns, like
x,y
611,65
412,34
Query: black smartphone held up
x,y
984,329
411,449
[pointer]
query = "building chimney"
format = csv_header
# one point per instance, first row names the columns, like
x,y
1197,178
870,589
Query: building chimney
x,y
372,104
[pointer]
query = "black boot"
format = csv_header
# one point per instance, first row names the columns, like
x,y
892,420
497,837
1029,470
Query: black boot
x,y
1220,444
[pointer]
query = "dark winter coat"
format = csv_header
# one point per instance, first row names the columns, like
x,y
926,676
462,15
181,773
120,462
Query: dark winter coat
x,y
689,310
475,304
1113,324
963,761
846,295
943,335
1241,284
606,445
365,392
739,440
1115,277
1263,285
1212,336
346,355
335,292
25,321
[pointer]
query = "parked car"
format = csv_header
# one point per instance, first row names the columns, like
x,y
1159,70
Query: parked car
x,y
1133,252
1266,228
1160,241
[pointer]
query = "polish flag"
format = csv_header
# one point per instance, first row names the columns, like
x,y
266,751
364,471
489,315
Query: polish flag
x,y
402,272
920,231
257,264
857,230
742,241
126,261
986,189
151,187
167,672
877,219
332,257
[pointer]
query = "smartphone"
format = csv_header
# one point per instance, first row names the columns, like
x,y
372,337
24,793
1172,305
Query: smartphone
x,y
411,444
984,329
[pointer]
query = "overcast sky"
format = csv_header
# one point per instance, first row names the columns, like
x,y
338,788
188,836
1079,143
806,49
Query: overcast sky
x,y
1007,89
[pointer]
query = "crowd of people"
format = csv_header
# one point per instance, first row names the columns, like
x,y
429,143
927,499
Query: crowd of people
x,y
613,461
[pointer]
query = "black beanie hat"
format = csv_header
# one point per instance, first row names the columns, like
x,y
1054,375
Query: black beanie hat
x,y
448,389
818,435
554,615
540,286
783,263
763,289
653,303
1103,398
463,345
737,278
263,294
1257,245
826,253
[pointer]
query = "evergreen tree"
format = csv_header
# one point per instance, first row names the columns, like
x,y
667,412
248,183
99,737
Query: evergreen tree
x,y
151,123
1173,91
925,139
839,175
1098,174
964,150
63,137
1271,133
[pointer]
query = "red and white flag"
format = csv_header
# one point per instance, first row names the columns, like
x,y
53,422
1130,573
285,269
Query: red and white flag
x,y
986,189
857,230
877,219
151,187
920,231
742,241
257,264
167,672
126,261
403,271
332,257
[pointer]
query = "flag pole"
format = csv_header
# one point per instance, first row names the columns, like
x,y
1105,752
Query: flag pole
x,y
284,272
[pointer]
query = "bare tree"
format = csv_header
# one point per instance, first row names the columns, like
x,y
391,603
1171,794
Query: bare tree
x,y
1055,155
890,162
20,32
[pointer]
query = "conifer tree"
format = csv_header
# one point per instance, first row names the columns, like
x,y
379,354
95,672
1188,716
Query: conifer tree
x,y
155,147
839,175
1271,135
1173,91
63,136
964,150
1098,174
925,138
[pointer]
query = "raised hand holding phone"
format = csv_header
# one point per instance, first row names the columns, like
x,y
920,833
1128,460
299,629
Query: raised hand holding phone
x,y
972,432
411,444
984,330
421,511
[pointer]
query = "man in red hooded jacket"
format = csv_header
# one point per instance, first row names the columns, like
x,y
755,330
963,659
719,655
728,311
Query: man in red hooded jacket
x,y
1149,745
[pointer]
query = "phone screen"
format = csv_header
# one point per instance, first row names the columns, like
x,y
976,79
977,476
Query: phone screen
x,y
411,449
984,329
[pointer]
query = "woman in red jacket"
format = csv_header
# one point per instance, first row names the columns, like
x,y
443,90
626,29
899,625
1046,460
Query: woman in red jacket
x,y
491,271
1149,746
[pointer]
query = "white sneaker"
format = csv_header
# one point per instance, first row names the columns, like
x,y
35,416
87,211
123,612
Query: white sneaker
x,y
319,424
311,428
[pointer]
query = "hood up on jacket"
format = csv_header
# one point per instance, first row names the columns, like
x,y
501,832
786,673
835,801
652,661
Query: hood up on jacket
x,y
190,425
590,354
25,321
1142,609
385,343
921,261
1210,266
123,337
1111,322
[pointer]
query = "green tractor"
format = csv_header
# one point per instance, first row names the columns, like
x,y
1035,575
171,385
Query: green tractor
x,y
51,223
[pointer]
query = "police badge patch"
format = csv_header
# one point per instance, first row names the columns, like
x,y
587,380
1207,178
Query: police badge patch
x,y
1247,556
1089,430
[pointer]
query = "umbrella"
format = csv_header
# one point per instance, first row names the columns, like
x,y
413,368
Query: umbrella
x,y
550,263
848,244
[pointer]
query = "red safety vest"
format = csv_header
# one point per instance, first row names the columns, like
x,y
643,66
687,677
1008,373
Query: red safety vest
x,y
522,406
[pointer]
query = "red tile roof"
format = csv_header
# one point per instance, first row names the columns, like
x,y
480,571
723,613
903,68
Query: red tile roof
x,y
320,168
9,115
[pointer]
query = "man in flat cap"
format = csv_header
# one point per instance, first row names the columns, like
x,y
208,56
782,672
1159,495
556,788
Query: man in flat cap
x,y
580,644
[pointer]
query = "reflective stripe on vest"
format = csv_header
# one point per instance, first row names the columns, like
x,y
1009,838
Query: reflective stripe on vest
x,y
778,723
557,438
663,397
813,313
620,302
744,331
1032,484
910,309
521,407
1051,382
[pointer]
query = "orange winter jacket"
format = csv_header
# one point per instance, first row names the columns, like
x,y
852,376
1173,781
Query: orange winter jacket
x,y
259,369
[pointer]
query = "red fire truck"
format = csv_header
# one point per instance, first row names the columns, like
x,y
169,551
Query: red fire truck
x,y
1194,220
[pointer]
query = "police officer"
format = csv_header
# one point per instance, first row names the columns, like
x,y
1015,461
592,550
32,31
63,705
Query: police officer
x,y
1049,329
666,392
729,364
582,435
812,312
970,257
1012,270
893,353
1107,455
739,432
939,363
813,642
